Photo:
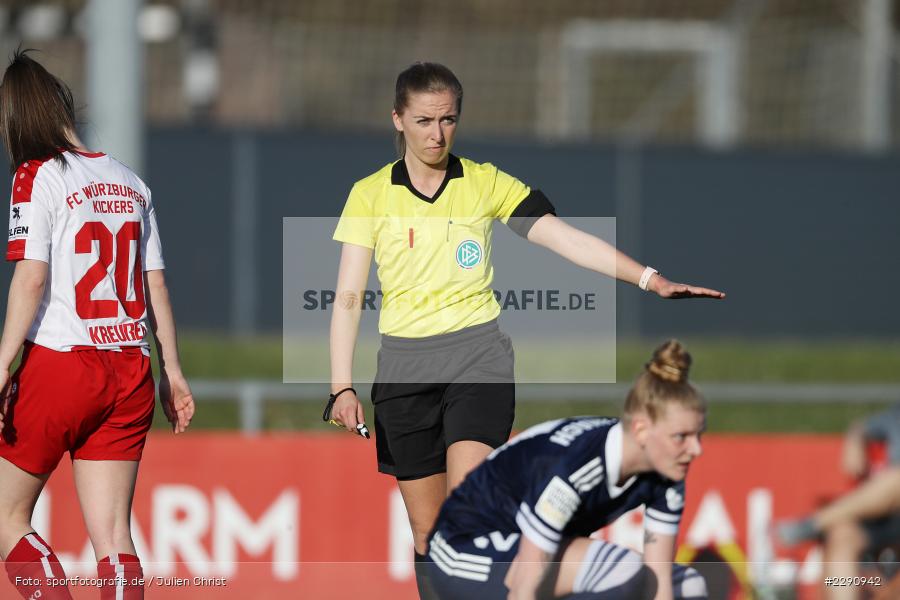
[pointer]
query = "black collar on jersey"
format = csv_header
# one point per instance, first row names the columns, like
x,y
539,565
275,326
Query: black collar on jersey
x,y
400,176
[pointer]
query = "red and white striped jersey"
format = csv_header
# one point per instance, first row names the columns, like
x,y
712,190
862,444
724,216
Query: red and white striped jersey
x,y
93,222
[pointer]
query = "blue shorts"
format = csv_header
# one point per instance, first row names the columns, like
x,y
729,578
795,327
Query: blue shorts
x,y
466,568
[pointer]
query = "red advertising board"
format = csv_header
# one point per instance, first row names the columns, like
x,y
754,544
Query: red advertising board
x,y
219,515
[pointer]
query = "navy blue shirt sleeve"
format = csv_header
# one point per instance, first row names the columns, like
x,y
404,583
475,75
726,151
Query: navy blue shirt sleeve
x,y
552,501
662,514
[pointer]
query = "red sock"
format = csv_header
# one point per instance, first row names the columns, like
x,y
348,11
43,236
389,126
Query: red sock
x,y
123,577
35,571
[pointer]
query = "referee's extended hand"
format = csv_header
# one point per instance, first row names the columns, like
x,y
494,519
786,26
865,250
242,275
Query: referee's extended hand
x,y
676,291
348,411
176,399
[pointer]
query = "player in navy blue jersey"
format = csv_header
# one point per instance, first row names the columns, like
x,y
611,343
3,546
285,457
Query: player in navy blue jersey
x,y
518,525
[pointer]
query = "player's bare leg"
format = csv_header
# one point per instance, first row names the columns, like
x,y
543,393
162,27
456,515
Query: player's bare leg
x,y
30,561
463,457
19,491
844,542
589,569
105,491
571,563
878,496
572,558
423,498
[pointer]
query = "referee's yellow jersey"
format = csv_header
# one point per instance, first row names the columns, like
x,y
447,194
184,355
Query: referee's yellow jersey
x,y
434,254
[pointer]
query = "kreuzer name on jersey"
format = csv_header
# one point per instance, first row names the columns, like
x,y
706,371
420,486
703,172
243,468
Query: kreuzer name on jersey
x,y
132,331
93,191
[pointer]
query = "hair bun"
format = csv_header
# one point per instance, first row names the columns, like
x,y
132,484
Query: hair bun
x,y
670,362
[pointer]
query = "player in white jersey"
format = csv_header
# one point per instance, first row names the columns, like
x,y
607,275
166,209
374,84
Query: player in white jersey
x,y
88,284
98,214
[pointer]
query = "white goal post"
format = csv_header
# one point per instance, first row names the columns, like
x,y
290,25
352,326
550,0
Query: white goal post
x,y
713,47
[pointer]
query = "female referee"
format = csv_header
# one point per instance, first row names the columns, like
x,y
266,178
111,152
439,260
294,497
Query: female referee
x,y
444,391
87,284
518,526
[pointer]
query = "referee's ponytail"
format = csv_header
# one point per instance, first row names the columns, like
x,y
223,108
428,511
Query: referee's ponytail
x,y
664,381
423,77
37,112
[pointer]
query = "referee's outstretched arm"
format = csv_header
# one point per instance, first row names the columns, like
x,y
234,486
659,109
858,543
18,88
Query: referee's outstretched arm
x,y
591,252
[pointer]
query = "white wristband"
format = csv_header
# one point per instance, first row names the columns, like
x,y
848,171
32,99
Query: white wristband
x,y
645,277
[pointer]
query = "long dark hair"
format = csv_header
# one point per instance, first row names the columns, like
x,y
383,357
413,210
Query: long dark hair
x,y
423,77
36,112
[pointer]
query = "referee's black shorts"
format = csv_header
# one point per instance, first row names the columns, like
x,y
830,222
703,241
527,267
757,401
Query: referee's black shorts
x,y
432,392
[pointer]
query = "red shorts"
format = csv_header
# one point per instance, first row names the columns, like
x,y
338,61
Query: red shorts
x,y
95,404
